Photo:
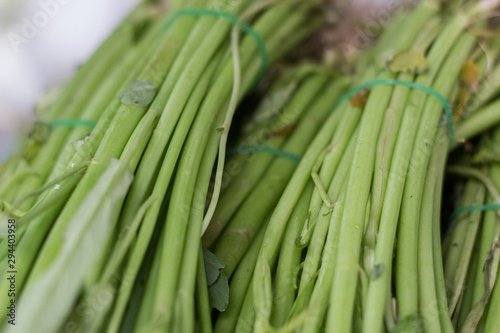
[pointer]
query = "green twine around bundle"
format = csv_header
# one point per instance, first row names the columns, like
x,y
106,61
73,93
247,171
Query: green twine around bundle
x,y
474,208
233,19
264,149
428,90
72,123
41,130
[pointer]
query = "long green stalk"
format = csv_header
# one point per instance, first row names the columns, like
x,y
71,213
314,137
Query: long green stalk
x,y
187,274
442,301
239,287
289,259
202,298
428,299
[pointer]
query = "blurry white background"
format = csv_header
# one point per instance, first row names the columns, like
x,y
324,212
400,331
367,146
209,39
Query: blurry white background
x,y
69,31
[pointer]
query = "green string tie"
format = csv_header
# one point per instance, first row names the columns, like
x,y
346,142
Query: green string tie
x,y
474,208
236,21
429,91
72,123
255,149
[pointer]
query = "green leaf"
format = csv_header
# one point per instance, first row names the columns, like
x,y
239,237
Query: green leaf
x,y
79,143
140,93
488,154
218,293
218,286
271,106
410,61
299,303
41,132
408,324
213,266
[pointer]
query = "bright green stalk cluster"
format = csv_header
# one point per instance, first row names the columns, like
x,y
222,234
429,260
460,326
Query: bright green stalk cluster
x,y
307,116
470,248
286,120
178,83
375,196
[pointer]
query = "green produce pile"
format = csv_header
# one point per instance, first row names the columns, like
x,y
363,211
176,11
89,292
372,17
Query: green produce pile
x,y
365,202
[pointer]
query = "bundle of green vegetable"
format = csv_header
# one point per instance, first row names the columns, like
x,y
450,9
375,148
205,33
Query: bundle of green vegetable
x,y
325,214
108,227
471,243
266,156
366,195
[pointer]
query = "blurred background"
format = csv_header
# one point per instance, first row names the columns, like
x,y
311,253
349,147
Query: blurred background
x,y
42,43
37,58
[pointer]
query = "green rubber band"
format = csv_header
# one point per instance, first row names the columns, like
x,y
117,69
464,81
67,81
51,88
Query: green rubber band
x,y
236,21
72,123
474,208
264,149
429,91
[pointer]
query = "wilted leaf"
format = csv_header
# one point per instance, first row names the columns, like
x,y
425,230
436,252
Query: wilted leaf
x,y
470,75
460,101
490,270
359,100
283,132
410,61
140,93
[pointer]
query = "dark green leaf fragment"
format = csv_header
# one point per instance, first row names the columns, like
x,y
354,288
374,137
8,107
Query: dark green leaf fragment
x,y
377,271
218,293
213,266
140,93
